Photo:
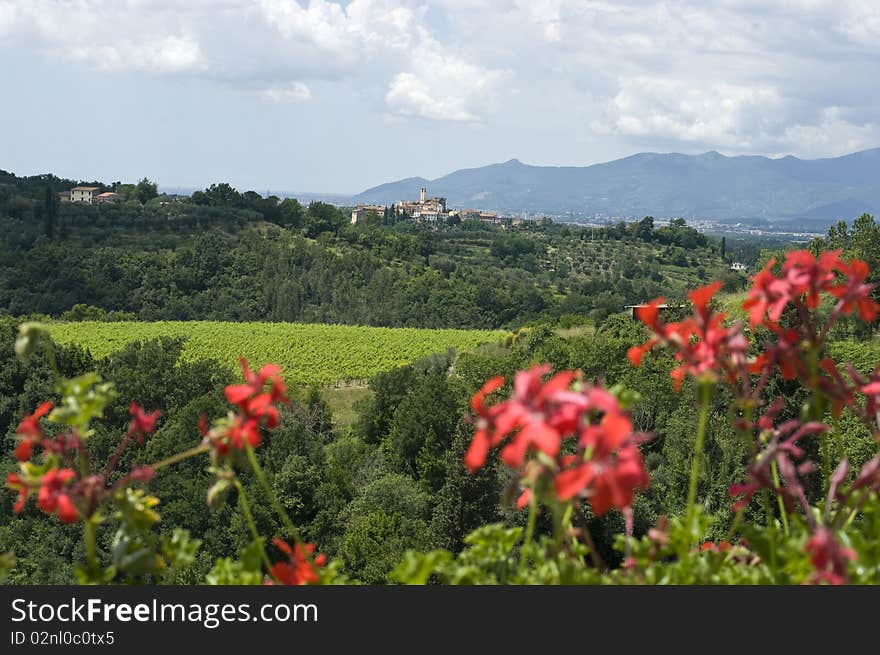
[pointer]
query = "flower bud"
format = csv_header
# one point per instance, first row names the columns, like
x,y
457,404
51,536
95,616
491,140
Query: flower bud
x,y
30,336
217,492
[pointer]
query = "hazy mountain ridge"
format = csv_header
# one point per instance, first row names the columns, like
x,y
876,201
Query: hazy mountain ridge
x,y
710,185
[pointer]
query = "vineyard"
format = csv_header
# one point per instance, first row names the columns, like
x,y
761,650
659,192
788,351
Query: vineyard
x,y
308,353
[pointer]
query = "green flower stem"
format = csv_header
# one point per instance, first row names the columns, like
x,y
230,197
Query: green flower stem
x,y
816,411
530,532
249,517
598,562
561,524
89,534
850,517
705,395
782,513
840,449
83,461
737,519
273,499
771,527
826,460
179,457
53,362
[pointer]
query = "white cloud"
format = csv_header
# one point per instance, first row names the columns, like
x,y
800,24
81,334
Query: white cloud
x,y
736,118
861,23
546,15
713,112
7,15
758,75
295,92
322,23
362,28
169,54
441,86
381,37
830,135
105,36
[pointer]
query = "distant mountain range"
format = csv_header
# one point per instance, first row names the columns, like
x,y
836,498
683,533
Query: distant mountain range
x,y
750,189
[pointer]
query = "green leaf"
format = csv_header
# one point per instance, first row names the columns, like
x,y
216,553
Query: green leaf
x,y
416,568
82,399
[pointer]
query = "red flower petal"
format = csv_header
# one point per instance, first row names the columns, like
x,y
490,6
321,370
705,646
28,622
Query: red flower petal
x,y
238,393
524,498
24,450
570,482
701,297
66,509
475,456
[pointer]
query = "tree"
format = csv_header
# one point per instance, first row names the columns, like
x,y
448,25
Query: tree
x,y
291,213
838,235
50,211
644,229
145,190
219,195
323,217
126,191
865,240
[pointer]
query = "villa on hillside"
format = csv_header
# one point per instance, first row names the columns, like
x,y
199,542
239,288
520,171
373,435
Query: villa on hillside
x,y
359,212
86,194
89,195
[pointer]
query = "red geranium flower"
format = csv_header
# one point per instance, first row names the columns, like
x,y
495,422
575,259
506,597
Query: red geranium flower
x,y
854,294
30,432
783,449
481,443
297,570
236,433
809,276
256,407
15,482
607,483
804,279
52,497
702,344
768,296
536,416
828,558
143,422
539,417
243,394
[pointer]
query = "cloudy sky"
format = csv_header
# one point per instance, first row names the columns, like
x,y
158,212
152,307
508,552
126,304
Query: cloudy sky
x,y
313,95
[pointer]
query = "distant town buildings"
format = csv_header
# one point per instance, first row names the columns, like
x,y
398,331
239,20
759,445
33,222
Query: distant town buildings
x,y
427,209
432,209
738,266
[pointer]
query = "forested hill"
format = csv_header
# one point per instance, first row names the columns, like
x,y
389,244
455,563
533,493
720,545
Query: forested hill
x,y
666,185
225,255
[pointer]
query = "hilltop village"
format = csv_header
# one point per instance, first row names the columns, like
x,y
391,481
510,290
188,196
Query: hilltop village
x,y
432,209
